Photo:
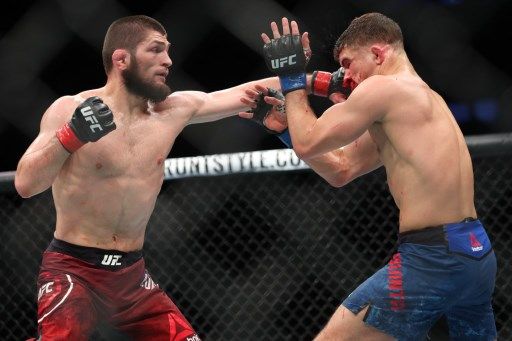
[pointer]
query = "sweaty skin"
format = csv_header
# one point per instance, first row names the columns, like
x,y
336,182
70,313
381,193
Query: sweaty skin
x,y
105,192
392,118
413,135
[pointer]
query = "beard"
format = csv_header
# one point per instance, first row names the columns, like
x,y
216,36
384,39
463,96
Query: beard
x,y
143,88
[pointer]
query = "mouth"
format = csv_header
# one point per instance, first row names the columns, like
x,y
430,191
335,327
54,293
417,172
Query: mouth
x,y
162,75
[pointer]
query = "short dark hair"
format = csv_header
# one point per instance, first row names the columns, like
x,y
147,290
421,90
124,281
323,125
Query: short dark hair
x,y
369,28
127,33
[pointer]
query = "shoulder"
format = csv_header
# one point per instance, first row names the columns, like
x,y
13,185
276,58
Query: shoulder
x,y
63,107
380,84
181,103
72,101
391,90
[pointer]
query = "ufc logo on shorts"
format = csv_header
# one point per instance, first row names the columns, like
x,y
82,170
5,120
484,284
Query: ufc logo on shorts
x,y
281,62
88,115
45,289
111,260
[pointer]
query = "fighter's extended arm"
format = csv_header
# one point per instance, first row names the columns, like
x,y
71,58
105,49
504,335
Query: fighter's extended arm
x,y
206,107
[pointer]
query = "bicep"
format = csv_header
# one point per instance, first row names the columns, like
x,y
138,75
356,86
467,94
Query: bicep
x,y
54,117
345,122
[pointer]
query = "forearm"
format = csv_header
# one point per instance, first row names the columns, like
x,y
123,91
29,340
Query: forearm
x,y
38,169
301,120
333,167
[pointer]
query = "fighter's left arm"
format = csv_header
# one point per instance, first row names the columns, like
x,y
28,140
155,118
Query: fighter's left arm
x,y
339,125
213,106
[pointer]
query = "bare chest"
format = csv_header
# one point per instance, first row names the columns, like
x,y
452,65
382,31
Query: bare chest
x,y
133,150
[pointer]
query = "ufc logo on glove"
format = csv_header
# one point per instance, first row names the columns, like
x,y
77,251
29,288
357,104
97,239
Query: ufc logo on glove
x,y
280,62
88,115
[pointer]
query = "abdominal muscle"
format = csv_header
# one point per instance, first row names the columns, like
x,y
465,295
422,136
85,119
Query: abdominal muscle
x,y
107,213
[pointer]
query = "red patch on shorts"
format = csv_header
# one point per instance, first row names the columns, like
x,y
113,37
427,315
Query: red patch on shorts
x,y
395,283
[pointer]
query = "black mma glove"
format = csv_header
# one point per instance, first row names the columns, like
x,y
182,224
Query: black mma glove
x,y
324,83
285,57
91,121
262,110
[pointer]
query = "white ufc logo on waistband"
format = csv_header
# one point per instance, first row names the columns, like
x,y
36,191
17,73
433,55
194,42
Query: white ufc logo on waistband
x,y
111,260
280,62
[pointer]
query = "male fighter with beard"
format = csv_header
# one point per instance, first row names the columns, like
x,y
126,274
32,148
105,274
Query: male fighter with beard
x,y
102,151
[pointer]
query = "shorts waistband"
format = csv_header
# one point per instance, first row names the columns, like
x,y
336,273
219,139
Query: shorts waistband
x,y
431,235
107,259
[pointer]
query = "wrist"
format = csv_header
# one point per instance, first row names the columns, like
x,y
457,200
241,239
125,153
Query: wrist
x,y
68,138
293,82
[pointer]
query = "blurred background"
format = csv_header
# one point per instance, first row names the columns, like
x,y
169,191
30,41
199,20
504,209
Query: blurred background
x,y
50,48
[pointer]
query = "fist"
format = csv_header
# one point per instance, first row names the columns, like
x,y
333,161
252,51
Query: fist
x,y
92,120
324,84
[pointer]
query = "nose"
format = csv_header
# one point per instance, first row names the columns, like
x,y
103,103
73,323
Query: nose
x,y
167,61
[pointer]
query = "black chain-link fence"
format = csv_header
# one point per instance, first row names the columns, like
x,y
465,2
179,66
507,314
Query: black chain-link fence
x,y
265,256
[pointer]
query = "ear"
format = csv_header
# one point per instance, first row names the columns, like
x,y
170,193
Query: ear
x,y
121,59
379,53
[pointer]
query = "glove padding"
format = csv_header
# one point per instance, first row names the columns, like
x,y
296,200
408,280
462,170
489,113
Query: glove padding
x,y
285,57
325,84
262,110
92,120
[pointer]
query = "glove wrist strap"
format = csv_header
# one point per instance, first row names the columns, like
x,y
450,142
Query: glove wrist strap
x,y
284,136
321,81
68,138
293,82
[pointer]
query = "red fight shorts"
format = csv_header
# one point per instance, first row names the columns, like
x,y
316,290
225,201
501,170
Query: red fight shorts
x,y
78,287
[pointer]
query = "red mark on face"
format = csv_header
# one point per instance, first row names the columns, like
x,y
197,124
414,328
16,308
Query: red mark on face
x,y
160,161
98,165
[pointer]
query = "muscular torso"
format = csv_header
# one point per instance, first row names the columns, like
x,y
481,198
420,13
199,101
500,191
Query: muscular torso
x,y
428,166
106,191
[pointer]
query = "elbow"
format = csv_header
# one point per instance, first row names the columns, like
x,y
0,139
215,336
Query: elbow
x,y
341,178
25,187
338,181
22,187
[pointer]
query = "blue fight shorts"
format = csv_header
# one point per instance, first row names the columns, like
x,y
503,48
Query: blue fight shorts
x,y
448,270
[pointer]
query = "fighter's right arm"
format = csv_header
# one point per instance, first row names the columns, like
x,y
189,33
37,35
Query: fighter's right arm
x,y
341,166
44,158
58,137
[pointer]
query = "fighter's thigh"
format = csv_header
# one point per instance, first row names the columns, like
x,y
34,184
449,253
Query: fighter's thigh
x,y
158,319
472,323
345,325
64,308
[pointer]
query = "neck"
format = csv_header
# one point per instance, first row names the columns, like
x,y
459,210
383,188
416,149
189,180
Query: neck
x,y
116,91
396,62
